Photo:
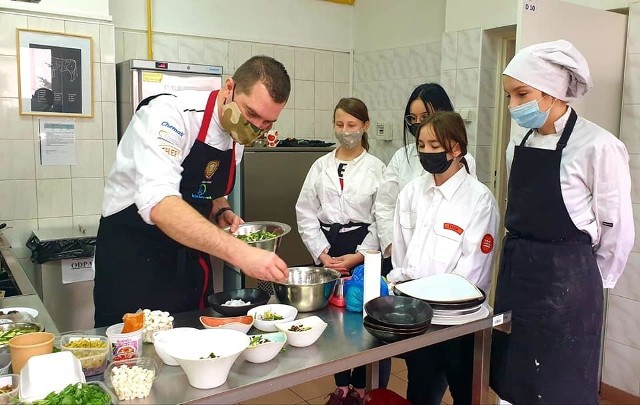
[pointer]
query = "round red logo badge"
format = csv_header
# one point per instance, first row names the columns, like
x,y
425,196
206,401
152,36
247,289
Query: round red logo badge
x,y
486,246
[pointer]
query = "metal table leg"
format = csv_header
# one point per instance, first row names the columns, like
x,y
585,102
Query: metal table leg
x,y
373,375
481,358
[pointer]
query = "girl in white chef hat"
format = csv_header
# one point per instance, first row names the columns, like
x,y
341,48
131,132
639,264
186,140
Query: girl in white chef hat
x,y
570,231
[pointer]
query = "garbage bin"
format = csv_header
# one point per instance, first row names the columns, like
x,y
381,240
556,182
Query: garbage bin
x,y
64,274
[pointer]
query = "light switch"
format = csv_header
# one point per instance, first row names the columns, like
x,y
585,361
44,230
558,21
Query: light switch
x,y
384,131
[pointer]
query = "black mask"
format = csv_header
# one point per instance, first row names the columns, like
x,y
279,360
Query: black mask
x,y
435,162
413,128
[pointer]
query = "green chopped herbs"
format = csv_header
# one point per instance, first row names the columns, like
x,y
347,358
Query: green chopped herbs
x,y
299,328
211,355
257,236
271,316
77,394
257,340
7,335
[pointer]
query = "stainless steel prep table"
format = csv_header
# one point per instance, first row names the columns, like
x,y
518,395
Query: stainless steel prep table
x,y
344,344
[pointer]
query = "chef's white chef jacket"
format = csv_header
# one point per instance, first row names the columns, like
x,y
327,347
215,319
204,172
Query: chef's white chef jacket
x,y
322,200
403,167
445,229
596,188
148,165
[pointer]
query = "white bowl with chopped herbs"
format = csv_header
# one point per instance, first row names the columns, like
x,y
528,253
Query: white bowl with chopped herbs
x,y
264,347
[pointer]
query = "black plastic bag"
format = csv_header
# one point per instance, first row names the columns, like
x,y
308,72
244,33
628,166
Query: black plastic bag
x,y
57,249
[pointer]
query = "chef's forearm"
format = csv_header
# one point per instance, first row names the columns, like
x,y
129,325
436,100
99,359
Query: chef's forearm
x,y
217,205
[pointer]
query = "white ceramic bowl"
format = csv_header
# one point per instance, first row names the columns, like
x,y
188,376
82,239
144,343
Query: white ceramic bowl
x,y
304,338
264,352
162,338
287,312
193,350
239,323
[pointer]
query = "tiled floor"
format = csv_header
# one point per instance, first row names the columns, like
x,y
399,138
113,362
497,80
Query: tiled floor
x,y
315,392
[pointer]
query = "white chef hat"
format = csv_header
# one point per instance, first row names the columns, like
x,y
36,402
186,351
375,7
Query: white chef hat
x,y
556,68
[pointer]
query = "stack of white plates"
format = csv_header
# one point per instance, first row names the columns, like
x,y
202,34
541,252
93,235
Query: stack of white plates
x,y
453,298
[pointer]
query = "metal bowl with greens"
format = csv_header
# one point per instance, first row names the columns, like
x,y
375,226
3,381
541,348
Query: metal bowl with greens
x,y
266,235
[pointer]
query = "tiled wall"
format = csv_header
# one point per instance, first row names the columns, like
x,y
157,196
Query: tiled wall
x,y
319,78
33,196
622,343
384,79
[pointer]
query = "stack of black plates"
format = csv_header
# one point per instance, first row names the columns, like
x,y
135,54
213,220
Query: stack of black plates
x,y
392,318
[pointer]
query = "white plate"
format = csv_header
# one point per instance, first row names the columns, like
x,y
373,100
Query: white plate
x,y
30,311
445,287
460,319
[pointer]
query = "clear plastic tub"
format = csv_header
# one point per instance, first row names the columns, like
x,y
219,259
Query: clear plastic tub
x,y
131,388
93,354
13,381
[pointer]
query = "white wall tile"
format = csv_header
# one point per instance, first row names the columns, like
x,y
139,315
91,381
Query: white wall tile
x,y
489,56
631,91
59,222
304,124
87,196
87,128
109,125
96,76
621,367
419,62
484,134
484,157
48,172
341,67
323,66
86,220
286,56
633,32
9,76
165,47
323,95
323,125
469,45
108,75
630,127
134,45
107,43
430,79
17,233
291,102
448,82
17,160
629,281
358,67
403,63
449,50
239,52
399,94
374,61
286,124
45,24
385,65
261,50
54,198
89,30
15,126
119,46
383,92
89,161
623,324
340,90
467,88
433,58
191,49
109,147
216,52
9,23
472,127
304,95
487,96
634,167
304,62
636,220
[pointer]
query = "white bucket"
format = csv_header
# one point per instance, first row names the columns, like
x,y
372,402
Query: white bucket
x,y
124,345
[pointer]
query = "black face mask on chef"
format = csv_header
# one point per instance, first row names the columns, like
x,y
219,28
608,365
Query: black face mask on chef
x,y
435,162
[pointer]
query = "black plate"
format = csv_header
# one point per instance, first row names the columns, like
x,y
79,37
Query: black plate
x,y
449,305
255,296
390,337
399,312
376,325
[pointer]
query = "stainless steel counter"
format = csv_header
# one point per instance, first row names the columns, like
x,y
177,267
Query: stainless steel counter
x,y
344,344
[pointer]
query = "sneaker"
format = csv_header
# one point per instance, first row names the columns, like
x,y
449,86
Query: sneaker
x,y
353,398
336,398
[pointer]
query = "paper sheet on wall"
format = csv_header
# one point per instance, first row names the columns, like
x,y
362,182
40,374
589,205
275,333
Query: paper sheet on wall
x,y
372,273
57,142
76,270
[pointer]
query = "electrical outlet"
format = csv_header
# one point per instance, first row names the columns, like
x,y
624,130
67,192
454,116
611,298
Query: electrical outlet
x,y
384,131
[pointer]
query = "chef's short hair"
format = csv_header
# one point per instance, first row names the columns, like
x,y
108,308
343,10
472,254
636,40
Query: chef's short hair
x,y
269,72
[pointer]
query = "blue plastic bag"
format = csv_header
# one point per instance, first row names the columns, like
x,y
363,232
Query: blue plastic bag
x,y
354,289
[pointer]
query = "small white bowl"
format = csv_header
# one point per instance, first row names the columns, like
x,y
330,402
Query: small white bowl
x,y
287,312
304,338
239,323
192,351
264,352
162,338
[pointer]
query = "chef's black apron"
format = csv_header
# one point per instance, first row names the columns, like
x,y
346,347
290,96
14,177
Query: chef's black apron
x,y
138,265
550,281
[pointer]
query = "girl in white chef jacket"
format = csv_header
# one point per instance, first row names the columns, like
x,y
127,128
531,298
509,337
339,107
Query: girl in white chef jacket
x,y
335,214
445,222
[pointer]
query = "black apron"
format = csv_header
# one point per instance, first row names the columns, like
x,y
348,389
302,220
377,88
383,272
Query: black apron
x,y
550,281
138,265
343,243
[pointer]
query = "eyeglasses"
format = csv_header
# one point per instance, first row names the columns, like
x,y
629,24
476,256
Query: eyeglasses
x,y
412,119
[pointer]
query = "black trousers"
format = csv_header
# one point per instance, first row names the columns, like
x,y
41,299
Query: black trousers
x,y
358,376
430,369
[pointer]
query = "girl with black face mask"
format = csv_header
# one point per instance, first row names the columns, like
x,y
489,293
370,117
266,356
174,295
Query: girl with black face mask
x,y
445,222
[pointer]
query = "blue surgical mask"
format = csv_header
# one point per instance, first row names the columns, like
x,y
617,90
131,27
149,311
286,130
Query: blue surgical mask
x,y
528,115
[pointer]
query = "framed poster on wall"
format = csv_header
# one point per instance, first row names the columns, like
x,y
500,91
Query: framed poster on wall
x,y
54,74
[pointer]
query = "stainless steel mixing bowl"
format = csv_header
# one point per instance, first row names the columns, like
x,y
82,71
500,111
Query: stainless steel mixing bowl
x,y
308,288
271,245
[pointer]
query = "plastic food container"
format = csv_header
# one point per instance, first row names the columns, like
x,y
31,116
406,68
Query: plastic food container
x,y
93,355
48,373
131,384
124,346
11,396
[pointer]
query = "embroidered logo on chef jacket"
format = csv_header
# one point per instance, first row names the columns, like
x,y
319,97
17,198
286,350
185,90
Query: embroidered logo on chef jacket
x,y
171,151
201,194
211,168
486,246
169,138
165,124
454,228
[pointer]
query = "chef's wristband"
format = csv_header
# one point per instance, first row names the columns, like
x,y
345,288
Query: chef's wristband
x,y
216,217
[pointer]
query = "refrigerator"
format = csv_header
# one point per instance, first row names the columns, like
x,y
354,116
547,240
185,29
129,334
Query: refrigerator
x,y
137,79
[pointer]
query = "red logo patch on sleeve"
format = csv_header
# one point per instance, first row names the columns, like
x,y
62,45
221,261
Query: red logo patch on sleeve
x,y
454,228
486,246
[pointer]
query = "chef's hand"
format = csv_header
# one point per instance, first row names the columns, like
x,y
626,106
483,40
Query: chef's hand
x,y
231,219
335,263
351,260
264,265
